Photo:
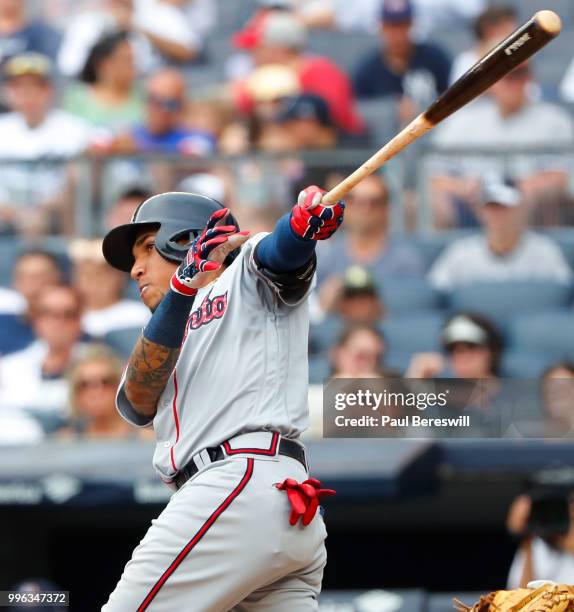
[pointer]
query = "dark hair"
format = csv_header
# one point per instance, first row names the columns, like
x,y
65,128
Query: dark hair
x,y
105,47
494,339
493,15
350,331
39,253
135,192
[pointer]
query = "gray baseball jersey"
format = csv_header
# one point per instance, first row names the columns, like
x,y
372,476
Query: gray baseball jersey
x,y
242,367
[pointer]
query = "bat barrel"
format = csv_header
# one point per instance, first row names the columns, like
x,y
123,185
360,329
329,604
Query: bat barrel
x,y
513,51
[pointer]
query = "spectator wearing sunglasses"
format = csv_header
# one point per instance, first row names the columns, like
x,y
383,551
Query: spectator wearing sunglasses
x,y
33,379
93,380
164,129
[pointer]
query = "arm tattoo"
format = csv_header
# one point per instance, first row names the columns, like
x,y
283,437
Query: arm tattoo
x,y
149,368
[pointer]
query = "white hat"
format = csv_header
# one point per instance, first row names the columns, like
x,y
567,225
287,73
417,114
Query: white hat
x,y
498,192
463,329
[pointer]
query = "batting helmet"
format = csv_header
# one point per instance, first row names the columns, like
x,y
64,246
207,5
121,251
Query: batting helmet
x,y
176,216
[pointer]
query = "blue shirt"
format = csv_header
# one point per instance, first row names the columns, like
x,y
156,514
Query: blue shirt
x,y
35,37
180,140
426,77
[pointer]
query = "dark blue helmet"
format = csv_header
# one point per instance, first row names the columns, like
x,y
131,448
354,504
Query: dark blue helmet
x,y
178,217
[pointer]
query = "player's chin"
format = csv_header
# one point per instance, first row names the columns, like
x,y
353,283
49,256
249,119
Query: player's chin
x,y
152,297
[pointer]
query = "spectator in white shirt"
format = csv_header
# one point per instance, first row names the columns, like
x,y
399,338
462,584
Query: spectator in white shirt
x,y
490,27
104,309
504,251
525,131
35,130
160,31
33,379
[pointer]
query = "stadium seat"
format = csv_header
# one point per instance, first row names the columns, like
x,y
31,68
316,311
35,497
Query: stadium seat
x,y
323,335
502,301
551,333
381,118
413,333
430,246
346,49
525,364
408,296
123,340
319,368
9,247
564,237
15,334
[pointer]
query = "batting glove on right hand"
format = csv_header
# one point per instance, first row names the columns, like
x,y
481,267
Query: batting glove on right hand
x,y
196,261
315,221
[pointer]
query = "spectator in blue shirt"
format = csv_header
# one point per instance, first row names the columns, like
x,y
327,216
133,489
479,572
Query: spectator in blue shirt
x,y
413,72
164,130
19,34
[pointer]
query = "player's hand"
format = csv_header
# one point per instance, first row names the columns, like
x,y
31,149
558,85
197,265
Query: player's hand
x,y
315,221
204,260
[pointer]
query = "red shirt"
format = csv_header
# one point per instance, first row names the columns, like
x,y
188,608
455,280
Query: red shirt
x,y
322,77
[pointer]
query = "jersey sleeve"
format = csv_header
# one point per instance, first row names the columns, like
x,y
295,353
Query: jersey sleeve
x,y
127,411
290,289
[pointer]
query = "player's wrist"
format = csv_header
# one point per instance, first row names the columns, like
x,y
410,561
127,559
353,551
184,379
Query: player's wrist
x,y
181,288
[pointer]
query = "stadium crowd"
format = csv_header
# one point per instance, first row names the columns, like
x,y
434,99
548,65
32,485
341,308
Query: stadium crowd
x,y
454,262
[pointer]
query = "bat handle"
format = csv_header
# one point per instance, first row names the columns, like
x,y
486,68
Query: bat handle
x,y
419,126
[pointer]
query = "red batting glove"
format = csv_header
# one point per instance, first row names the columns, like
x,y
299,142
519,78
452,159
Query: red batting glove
x,y
315,221
304,498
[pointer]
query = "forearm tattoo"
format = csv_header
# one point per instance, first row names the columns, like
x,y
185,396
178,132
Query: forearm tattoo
x,y
148,371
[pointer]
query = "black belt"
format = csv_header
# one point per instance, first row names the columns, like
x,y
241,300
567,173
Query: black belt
x,y
289,448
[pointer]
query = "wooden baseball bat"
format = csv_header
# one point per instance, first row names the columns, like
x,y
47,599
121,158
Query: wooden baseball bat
x,y
509,54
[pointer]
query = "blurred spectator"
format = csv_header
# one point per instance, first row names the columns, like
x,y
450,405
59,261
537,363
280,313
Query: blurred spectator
x,y
358,353
365,242
414,72
93,381
506,121
101,291
164,130
545,555
33,379
17,428
125,205
359,301
206,184
31,132
109,96
567,84
445,15
160,31
339,15
473,347
306,124
557,393
505,250
33,271
20,34
280,38
490,27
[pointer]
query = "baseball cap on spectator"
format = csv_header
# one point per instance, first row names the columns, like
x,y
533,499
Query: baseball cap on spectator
x,y
358,281
397,11
498,192
305,106
29,64
204,184
464,329
268,28
273,81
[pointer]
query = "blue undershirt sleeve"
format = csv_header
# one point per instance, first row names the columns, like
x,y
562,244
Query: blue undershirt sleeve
x,y
283,250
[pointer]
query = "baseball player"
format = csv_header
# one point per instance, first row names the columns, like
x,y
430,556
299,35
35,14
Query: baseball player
x,y
221,373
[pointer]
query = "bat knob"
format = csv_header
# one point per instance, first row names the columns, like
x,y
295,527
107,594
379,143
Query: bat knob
x,y
549,21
